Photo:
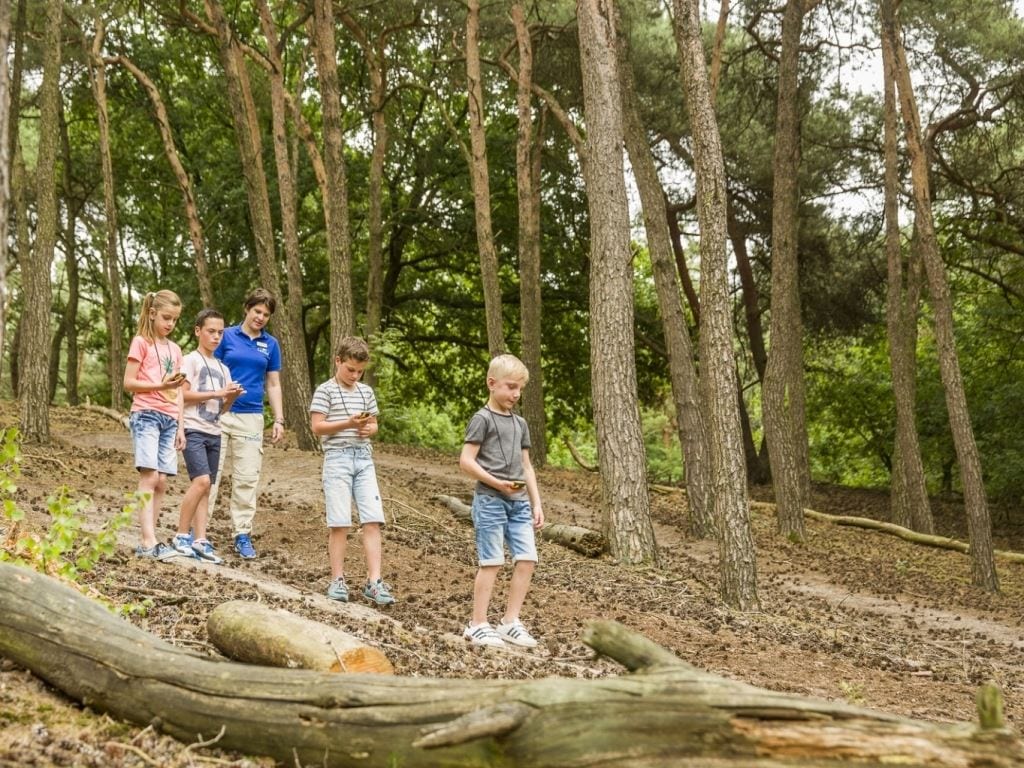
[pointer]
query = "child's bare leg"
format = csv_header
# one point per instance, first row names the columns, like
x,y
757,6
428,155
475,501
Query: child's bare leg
x,y
149,481
522,574
199,520
337,544
483,586
196,492
372,550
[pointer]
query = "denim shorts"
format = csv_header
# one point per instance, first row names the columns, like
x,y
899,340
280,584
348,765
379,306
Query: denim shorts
x,y
202,454
499,521
349,475
153,435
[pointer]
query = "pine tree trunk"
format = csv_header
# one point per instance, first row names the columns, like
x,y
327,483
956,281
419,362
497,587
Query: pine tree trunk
x,y
719,389
909,495
784,396
979,524
195,227
70,319
5,164
620,447
295,368
339,246
682,371
478,174
111,268
528,159
34,351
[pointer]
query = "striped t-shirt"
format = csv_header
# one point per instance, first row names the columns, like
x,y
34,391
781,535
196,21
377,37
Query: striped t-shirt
x,y
339,404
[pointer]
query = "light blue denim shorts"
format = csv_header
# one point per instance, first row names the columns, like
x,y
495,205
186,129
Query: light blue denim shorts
x,y
153,440
499,521
349,475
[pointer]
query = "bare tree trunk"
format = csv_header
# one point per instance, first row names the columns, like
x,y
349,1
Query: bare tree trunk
x,y
719,389
195,227
5,162
716,52
983,569
909,494
478,174
528,159
784,395
111,268
247,133
34,351
682,371
339,246
69,321
376,65
296,370
620,446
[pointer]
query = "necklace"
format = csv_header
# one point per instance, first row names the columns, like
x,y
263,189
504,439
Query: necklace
x,y
512,446
344,402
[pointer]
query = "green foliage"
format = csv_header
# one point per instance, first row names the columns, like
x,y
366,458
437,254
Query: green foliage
x,y
66,549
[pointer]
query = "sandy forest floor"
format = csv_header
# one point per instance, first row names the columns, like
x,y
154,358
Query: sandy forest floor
x,y
850,615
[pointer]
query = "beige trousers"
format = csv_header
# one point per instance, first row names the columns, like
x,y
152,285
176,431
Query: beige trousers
x,y
241,455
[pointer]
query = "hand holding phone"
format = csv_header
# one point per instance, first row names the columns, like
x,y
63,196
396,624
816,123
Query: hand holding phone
x,y
516,485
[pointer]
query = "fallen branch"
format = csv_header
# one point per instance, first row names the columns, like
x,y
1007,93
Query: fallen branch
x,y
689,717
110,413
915,537
583,540
579,459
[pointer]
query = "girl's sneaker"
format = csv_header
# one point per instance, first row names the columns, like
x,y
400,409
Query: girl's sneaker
x,y
378,592
203,550
338,590
159,551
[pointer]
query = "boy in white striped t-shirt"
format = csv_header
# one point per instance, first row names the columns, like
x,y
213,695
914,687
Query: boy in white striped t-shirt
x,y
344,415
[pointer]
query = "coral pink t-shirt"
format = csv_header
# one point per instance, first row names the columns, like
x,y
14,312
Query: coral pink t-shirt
x,y
156,360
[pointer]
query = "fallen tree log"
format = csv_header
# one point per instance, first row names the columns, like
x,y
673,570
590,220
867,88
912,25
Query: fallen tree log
x,y
666,713
577,538
257,634
110,413
915,537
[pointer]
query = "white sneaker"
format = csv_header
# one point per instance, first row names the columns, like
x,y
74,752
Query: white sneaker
x,y
516,634
483,634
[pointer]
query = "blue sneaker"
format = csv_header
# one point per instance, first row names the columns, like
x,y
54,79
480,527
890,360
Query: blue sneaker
x,y
203,550
378,592
243,546
159,551
182,544
338,590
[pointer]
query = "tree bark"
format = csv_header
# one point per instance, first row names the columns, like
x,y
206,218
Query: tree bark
x,y
682,371
626,513
69,320
195,226
528,164
784,391
34,351
111,268
478,174
691,718
979,524
339,246
909,494
719,388
257,634
5,163
296,369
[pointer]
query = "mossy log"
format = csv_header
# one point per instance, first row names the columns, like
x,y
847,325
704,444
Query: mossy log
x,y
577,538
257,634
665,713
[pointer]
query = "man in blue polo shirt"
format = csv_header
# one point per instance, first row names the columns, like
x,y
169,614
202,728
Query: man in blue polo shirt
x,y
254,358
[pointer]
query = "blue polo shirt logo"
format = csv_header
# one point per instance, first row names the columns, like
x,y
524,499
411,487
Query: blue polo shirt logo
x,y
263,347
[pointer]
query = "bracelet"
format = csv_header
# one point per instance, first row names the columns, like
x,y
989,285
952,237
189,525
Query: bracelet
x,y
279,421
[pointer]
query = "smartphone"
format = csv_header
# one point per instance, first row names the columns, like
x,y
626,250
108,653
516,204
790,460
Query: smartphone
x,y
362,414
179,376
517,484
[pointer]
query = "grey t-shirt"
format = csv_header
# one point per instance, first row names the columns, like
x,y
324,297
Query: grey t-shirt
x,y
502,438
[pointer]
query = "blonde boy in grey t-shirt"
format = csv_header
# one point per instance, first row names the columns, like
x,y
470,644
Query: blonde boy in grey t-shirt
x,y
506,504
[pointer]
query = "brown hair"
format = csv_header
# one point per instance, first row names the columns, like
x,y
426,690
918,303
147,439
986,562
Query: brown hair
x,y
353,348
153,302
260,296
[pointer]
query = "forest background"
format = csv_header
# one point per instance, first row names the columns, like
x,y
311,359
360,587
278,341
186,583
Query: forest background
x,y
323,150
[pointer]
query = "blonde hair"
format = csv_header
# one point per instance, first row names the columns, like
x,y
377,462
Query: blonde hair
x,y
154,301
508,367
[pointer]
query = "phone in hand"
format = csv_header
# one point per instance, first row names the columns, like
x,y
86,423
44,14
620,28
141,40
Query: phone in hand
x,y
179,376
517,484
363,415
